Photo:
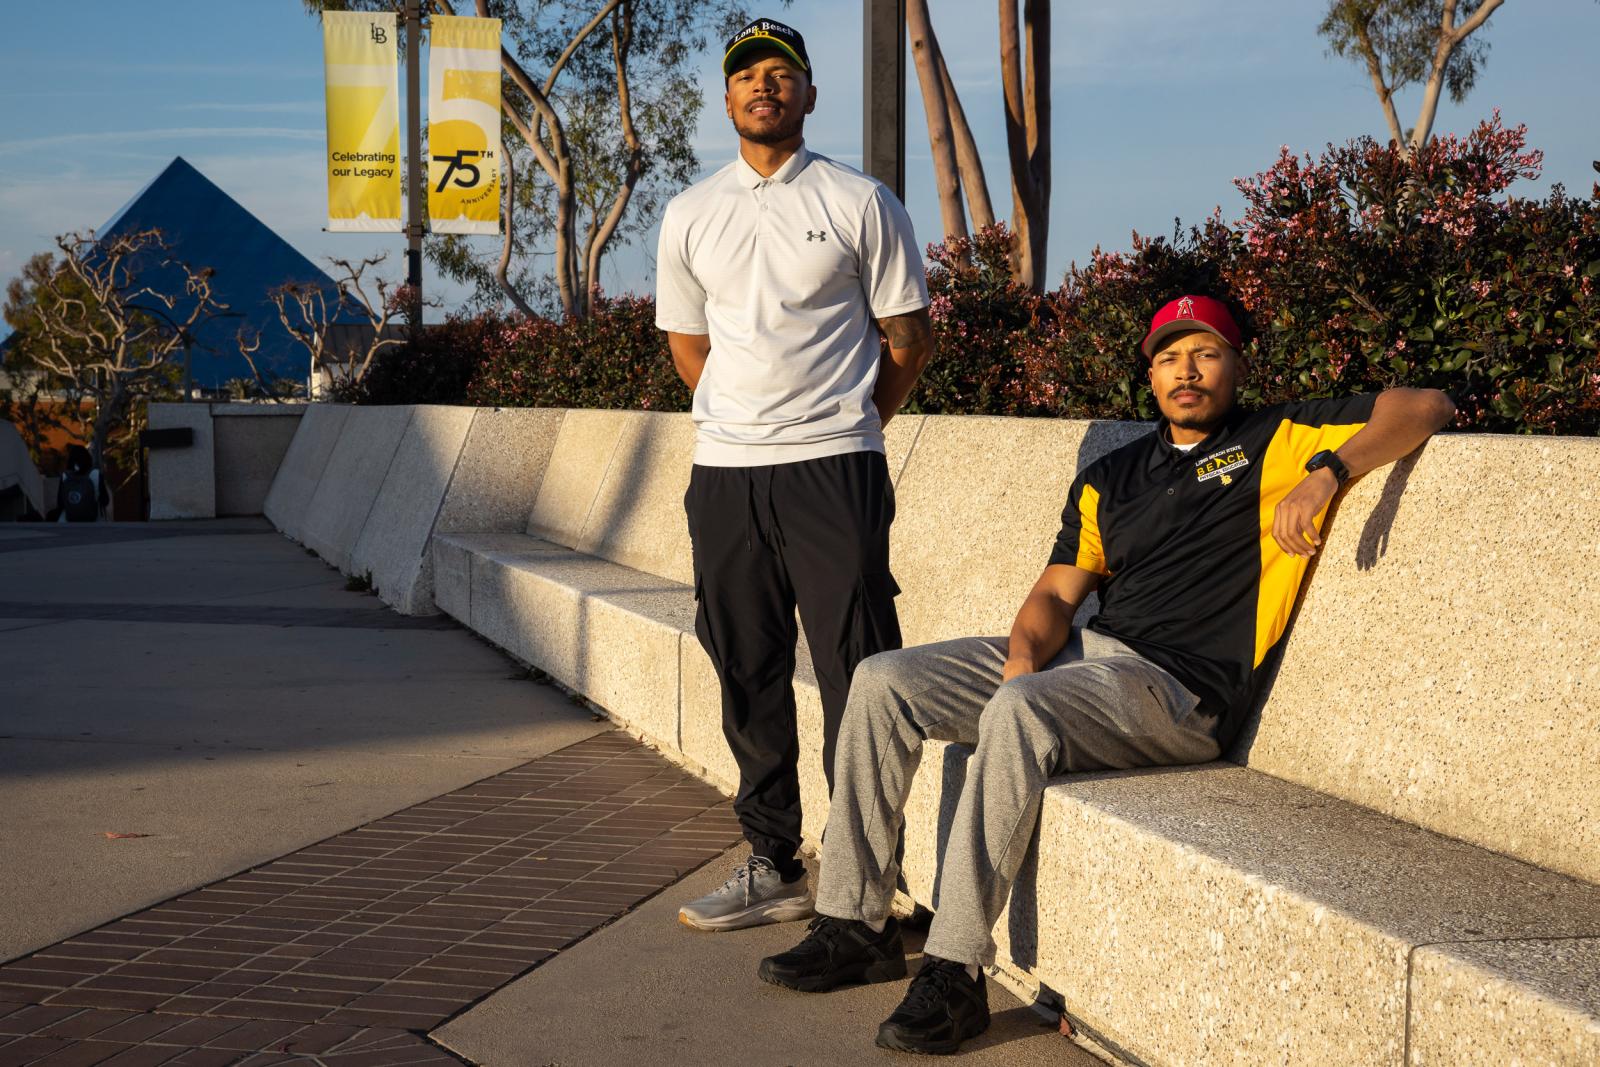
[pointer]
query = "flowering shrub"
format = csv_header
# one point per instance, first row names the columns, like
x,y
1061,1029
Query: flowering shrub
x,y
1366,270
1352,271
983,322
614,358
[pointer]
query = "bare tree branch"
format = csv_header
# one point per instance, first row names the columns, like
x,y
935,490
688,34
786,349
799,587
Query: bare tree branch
x,y
968,162
946,176
502,269
1363,36
105,337
1027,112
1450,38
621,37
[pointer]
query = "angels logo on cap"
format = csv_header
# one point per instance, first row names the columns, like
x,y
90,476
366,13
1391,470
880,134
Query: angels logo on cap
x,y
1190,313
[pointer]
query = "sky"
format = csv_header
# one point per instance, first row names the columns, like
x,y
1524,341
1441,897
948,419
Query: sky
x,y
1158,106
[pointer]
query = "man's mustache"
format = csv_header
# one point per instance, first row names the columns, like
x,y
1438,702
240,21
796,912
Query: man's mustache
x,y
1188,389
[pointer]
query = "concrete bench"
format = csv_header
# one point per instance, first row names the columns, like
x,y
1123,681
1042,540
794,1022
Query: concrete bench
x,y
367,487
1397,864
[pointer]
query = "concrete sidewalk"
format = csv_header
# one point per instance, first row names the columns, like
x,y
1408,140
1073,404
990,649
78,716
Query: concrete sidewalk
x,y
647,988
212,686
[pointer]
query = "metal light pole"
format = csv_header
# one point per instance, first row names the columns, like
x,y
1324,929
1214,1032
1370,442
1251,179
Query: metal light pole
x,y
414,170
883,127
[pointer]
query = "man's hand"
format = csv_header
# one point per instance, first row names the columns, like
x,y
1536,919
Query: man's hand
x,y
1044,622
1294,522
1016,668
1401,420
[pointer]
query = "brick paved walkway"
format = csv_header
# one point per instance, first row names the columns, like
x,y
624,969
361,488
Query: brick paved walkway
x,y
348,952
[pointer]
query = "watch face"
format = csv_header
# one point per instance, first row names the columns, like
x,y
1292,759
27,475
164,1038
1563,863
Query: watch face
x,y
1330,460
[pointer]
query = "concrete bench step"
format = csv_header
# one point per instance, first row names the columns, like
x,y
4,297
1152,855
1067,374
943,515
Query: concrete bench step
x,y
612,633
1217,914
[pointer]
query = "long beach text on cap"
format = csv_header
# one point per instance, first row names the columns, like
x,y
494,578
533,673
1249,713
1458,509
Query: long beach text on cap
x,y
767,31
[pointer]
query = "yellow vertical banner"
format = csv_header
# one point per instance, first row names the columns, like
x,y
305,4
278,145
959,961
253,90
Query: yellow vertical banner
x,y
363,97
464,125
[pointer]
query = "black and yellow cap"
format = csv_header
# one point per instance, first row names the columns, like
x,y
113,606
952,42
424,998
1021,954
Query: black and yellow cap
x,y
765,33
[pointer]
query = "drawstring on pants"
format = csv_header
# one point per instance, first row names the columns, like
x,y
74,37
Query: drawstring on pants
x,y
773,537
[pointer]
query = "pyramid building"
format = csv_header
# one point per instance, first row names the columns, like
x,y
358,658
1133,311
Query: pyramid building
x,y
208,228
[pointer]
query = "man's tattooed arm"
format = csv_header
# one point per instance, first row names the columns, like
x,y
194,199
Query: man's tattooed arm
x,y
910,339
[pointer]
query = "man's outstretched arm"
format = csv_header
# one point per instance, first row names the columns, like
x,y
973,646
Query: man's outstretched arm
x,y
689,354
1401,420
1044,622
910,347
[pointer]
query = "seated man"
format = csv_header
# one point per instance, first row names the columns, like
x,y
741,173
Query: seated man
x,y
1197,537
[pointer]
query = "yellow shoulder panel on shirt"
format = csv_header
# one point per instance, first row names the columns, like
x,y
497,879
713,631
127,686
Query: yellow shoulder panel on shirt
x,y
1091,551
1282,468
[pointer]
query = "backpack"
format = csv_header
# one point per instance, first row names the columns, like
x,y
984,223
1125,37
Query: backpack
x,y
78,498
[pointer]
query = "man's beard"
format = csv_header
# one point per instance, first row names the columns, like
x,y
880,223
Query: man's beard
x,y
1198,422
775,134
1194,420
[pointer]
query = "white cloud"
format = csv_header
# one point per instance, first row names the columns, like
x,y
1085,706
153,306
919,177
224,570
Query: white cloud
x,y
289,107
32,212
180,132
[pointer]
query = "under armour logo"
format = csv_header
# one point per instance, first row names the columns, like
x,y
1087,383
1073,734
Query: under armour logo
x,y
816,235
1186,308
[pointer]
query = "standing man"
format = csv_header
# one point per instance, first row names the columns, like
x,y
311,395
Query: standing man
x,y
775,277
1197,537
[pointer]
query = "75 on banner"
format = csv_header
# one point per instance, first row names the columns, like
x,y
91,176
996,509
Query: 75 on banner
x,y
464,125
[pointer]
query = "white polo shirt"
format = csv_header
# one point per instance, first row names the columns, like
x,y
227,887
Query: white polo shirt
x,y
786,274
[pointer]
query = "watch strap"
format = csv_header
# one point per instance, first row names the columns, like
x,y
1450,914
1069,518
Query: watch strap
x,y
1329,459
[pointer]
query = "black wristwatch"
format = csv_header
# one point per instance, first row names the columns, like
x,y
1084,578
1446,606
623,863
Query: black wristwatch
x,y
1329,459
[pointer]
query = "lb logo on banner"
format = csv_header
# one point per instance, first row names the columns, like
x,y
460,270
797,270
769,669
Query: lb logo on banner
x,y
464,125
362,74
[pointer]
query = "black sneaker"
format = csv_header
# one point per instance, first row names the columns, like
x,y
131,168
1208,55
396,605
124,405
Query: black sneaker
x,y
942,1008
837,952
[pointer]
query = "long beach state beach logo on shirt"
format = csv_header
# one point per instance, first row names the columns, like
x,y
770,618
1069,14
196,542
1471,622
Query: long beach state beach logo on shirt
x,y
1222,464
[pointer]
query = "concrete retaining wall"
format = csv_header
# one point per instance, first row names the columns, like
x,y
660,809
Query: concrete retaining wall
x,y
1432,599
289,499
367,487
250,441
231,465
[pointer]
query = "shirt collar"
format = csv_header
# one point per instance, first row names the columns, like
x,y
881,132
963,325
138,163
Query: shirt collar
x,y
750,178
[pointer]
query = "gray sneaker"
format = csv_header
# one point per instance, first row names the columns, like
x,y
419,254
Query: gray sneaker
x,y
754,895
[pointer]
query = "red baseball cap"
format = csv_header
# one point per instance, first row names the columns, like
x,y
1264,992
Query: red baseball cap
x,y
1190,313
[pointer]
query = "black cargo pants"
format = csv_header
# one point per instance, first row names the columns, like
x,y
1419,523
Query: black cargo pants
x,y
814,535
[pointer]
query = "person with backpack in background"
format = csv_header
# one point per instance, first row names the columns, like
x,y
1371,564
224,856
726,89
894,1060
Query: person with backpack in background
x,y
82,495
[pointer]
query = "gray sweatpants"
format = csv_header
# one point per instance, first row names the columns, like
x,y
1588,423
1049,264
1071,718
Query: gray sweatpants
x,y
1097,706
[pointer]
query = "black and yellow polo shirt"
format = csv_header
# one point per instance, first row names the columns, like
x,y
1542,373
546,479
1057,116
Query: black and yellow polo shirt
x,y
1194,581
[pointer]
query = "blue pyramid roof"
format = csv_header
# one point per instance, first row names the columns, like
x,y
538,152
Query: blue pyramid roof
x,y
208,228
